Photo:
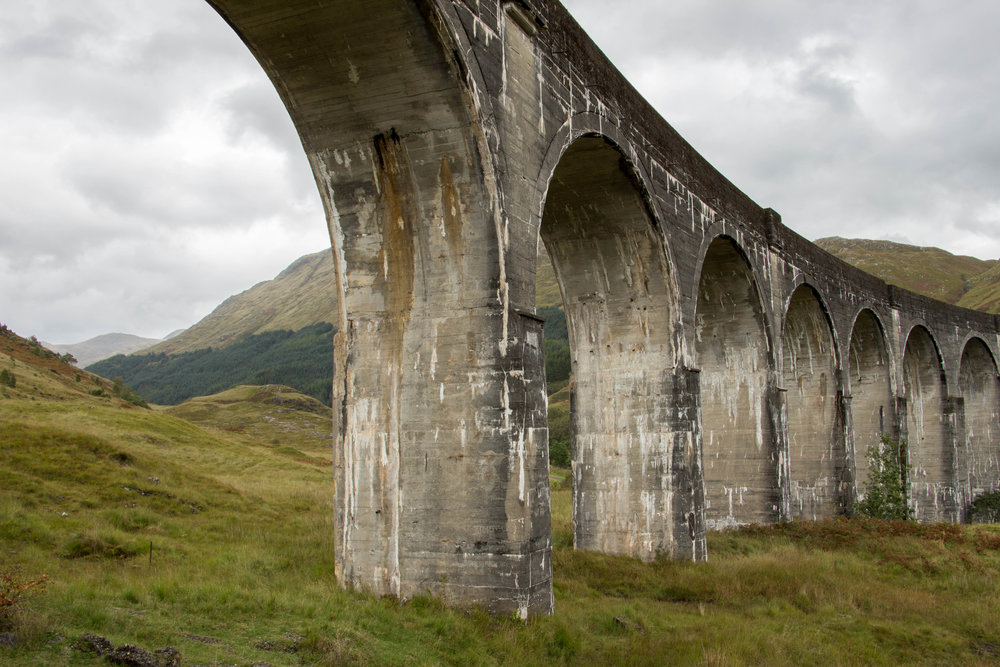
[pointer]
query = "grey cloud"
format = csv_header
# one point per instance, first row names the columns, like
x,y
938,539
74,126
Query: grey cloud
x,y
59,39
255,107
817,80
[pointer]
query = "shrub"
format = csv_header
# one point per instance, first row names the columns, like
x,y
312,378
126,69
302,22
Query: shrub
x,y
985,508
559,454
7,378
122,391
558,361
559,437
36,348
885,496
14,592
93,546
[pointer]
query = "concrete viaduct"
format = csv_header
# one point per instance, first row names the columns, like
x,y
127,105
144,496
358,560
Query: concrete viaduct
x,y
726,371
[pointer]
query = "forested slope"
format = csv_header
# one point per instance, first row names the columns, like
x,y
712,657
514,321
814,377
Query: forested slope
x,y
301,359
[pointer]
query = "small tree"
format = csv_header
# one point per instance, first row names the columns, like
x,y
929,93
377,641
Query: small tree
x,y
985,508
122,391
885,496
559,437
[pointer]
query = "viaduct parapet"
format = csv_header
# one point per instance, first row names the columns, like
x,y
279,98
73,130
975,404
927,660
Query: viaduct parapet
x,y
725,370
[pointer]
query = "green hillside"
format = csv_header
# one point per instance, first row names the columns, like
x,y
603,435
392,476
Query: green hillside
x,y
297,425
984,291
929,271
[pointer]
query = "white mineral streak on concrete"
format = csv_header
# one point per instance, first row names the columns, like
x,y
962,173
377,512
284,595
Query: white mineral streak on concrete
x,y
480,27
395,581
510,109
541,93
522,478
503,290
505,402
352,73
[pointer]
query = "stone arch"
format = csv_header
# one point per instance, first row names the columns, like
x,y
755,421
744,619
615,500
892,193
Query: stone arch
x,y
979,388
869,368
617,292
739,457
432,362
581,125
816,458
930,454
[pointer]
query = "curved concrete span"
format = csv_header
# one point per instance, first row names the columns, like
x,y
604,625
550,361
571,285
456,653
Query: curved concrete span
x,y
725,370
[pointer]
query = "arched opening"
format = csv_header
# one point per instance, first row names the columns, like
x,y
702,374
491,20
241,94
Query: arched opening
x,y
980,391
930,457
872,405
739,457
612,274
815,434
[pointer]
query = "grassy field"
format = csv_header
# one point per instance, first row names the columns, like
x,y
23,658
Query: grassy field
x,y
215,537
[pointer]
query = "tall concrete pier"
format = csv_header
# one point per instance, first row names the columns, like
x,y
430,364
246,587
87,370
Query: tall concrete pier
x,y
725,370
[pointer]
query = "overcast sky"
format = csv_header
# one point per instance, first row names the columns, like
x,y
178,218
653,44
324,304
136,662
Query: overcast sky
x,y
149,170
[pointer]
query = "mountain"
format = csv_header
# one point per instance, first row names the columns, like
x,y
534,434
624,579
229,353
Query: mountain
x,y
102,347
959,279
302,294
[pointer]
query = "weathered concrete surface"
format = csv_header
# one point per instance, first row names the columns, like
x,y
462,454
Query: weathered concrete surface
x,y
740,459
816,458
979,455
931,450
725,370
872,406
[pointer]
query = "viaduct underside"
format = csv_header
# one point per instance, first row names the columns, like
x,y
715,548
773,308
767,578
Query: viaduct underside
x,y
725,370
